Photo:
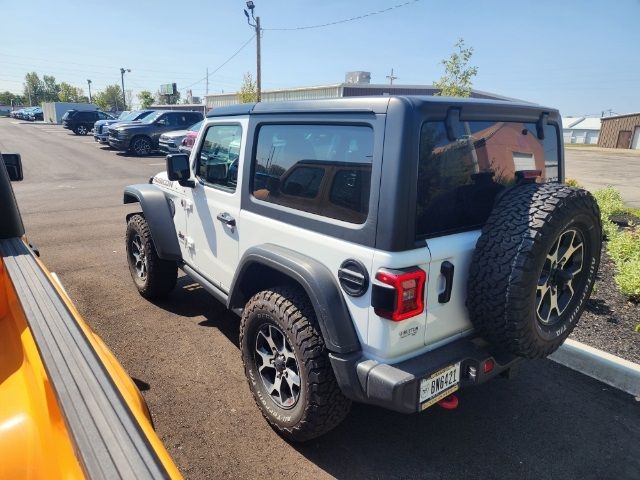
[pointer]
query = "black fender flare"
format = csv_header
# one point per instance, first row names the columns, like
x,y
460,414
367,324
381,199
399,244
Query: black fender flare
x,y
158,211
317,281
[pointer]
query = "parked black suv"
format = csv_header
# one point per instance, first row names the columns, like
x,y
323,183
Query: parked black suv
x,y
142,138
81,122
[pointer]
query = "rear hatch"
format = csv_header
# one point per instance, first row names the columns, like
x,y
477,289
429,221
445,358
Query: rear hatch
x,y
463,166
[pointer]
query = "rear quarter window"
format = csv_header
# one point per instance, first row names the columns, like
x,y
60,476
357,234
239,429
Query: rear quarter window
x,y
319,169
458,180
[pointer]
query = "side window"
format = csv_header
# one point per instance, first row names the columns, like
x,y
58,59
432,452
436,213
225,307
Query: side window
x,y
164,120
217,161
320,169
193,118
183,119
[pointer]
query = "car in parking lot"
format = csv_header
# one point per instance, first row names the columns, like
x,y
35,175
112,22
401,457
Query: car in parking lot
x,y
187,142
101,127
143,138
34,114
81,122
171,142
21,113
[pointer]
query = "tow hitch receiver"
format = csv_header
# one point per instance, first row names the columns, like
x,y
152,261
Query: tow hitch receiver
x,y
449,403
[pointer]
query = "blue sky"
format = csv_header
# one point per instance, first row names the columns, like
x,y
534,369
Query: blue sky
x,y
579,56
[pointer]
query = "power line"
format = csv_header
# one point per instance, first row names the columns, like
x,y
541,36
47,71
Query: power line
x,y
222,64
337,22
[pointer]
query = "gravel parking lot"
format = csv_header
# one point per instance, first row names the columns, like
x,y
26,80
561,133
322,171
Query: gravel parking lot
x,y
548,422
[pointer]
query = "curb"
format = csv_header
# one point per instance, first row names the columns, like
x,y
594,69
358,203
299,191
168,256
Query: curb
x,y
614,371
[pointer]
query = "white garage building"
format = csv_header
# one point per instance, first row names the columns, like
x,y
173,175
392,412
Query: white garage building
x,y
581,130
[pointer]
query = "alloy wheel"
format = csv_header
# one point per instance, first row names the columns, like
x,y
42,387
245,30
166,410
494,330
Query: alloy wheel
x,y
561,270
141,147
278,366
139,257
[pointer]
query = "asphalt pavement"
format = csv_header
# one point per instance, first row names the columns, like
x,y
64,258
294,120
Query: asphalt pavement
x,y
548,422
596,168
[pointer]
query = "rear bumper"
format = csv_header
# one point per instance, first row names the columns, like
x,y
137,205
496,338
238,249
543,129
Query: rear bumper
x,y
396,386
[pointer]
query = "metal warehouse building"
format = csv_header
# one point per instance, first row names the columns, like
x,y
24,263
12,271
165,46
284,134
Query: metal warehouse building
x,y
621,131
360,87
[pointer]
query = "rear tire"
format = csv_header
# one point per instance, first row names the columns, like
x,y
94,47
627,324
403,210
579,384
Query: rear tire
x,y
534,267
287,365
153,277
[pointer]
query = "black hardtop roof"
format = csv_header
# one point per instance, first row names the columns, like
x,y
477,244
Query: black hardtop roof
x,y
373,104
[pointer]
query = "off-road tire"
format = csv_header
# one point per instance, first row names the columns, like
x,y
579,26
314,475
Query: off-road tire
x,y
507,266
321,406
161,275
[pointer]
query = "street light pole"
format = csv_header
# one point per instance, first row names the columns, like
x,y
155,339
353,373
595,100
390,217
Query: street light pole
x,y
89,83
256,25
124,99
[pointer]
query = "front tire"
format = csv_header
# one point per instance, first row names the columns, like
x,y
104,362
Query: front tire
x,y
287,365
153,277
141,146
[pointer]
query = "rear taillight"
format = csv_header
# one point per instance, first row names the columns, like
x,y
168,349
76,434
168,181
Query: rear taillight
x,y
401,296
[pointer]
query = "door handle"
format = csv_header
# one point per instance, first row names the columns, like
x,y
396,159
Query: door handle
x,y
227,219
446,269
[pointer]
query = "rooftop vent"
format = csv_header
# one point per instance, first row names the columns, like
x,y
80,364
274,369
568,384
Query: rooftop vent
x,y
358,77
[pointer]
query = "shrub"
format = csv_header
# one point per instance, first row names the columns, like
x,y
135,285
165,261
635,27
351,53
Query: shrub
x,y
610,201
628,278
572,182
625,246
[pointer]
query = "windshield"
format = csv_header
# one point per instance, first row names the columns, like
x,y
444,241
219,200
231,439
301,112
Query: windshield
x,y
153,117
124,115
458,180
195,127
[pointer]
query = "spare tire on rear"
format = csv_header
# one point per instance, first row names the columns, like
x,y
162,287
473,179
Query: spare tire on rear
x,y
534,267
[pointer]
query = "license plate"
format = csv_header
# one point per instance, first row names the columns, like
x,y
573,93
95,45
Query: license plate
x,y
442,383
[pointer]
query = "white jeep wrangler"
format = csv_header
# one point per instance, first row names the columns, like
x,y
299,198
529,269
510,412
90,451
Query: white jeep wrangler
x,y
386,250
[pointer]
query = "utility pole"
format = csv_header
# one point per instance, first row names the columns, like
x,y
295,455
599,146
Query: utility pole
x,y
207,90
89,83
122,72
256,26
391,77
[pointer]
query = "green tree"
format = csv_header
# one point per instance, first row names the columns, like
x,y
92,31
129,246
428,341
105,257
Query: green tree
x,y
146,99
110,98
33,89
168,99
51,88
8,98
69,93
458,74
248,90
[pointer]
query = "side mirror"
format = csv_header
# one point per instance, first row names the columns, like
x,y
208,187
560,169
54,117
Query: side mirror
x,y
13,162
178,169
217,172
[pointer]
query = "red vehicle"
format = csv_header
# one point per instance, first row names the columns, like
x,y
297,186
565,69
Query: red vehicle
x,y
188,141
